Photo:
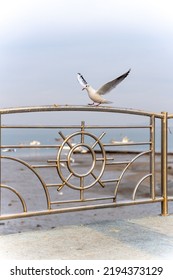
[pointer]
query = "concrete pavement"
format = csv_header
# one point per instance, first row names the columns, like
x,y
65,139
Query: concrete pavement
x,y
141,237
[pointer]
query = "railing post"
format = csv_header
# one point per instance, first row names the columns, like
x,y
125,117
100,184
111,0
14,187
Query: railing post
x,y
152,157
164,179
0,163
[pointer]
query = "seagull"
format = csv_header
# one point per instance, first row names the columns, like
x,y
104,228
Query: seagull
x,y
96,95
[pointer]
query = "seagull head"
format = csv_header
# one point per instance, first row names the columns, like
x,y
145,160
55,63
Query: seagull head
x,y
85,87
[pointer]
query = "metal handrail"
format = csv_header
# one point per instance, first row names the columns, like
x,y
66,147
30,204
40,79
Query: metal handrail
x,y
104,160
48,108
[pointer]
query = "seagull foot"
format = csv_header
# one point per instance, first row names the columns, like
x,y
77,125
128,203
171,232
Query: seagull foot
x,y
93,104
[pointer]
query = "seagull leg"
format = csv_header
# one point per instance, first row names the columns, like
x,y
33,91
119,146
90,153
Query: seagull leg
x,y
91,104
98,104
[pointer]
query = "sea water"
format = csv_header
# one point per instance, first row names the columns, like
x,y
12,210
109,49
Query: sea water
x,y
28,137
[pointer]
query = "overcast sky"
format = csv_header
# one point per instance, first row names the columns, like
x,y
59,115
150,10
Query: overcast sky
x,y
44,43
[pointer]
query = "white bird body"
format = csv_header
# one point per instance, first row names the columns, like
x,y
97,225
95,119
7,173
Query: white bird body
x,y
96,95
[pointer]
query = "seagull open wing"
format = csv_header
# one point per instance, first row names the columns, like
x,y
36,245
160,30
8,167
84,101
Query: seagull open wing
x,y
112,84
81,80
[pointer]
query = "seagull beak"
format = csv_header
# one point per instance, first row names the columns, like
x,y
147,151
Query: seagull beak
x,y
83,88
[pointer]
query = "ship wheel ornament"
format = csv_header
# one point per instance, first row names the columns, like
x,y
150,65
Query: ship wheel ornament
x,y
81,176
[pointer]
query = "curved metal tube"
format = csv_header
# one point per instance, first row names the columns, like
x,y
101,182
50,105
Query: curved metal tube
x,y
18,194
138,184
127,166
38,176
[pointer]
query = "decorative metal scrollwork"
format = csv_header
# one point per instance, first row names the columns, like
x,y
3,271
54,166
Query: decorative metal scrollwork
x,y
88,149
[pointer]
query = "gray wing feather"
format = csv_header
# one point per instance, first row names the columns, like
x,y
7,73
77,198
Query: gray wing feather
x,y
112,84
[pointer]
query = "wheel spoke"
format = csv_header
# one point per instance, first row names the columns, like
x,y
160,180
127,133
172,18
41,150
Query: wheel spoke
x,y
65,181
99,181
98,139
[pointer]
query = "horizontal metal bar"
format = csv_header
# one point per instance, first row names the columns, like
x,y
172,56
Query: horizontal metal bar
x,y
29,146
126,144
58,108
53,185
75,126
43,166
110,180
66,160
84,200
40,126
79,208
100,159
117,162
118,126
